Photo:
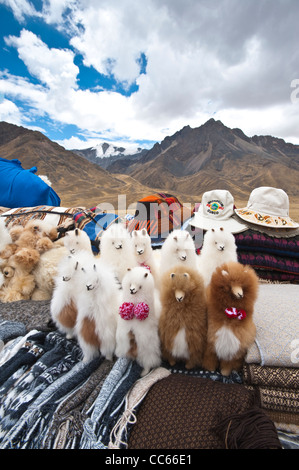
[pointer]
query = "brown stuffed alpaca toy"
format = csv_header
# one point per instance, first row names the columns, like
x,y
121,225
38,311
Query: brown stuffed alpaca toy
x,y
231,296
36,234
183,319
19,281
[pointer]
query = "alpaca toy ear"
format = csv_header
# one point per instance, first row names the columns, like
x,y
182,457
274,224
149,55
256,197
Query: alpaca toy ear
x,y
134,233
175,238
224,273
144,232
76,232
145,274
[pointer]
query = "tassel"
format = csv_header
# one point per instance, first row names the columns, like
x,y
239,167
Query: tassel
x,y
252,429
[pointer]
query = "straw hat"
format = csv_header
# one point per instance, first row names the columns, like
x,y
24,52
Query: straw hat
x,y
268,207
217,210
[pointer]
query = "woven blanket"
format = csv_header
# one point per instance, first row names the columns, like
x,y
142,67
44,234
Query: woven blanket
x,y
260,260
183,412
277,389
276,319
54,215
271,377
260,241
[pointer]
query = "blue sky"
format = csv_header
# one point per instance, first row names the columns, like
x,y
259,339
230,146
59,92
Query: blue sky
x,y
131,72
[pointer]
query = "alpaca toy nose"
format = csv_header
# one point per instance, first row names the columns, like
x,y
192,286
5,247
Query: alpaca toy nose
x,y
183,257
140,252
66,278
119,246
221,247
89,287
179,299
133,291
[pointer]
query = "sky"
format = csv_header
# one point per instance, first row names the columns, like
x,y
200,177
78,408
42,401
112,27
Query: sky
x,y
132,72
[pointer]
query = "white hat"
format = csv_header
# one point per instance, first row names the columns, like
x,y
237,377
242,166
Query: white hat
x,y
217,210
268,207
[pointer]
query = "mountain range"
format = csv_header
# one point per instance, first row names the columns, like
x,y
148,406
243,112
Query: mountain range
x,y
186,164
76,180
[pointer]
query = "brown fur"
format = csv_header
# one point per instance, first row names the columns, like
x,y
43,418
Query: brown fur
x,y
88,332
8,251
190,314
220,296
19,282
36,235
132,353
68,315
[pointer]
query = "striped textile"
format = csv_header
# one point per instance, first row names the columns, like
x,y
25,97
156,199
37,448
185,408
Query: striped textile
x,y
159,214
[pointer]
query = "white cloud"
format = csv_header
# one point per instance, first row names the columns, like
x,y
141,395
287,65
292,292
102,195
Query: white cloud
x,y
232,60
9,112
20,8
53,67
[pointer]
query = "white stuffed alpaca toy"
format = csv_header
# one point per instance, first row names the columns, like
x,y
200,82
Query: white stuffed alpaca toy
x,y
178,249
137,328
116,249
98,301
63,307
144,253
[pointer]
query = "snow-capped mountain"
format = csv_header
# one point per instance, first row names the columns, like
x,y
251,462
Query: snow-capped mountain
x,y
106,154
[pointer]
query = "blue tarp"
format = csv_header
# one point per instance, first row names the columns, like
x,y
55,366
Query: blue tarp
x,y
23,188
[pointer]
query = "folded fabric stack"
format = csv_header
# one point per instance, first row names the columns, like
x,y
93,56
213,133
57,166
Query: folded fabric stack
x,y
50,399
274,258
271,369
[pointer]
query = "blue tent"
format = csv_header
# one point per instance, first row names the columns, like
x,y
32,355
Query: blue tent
x,y
23,188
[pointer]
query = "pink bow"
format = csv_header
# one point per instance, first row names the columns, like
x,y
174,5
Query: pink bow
x,y
146,266
128,311
233,312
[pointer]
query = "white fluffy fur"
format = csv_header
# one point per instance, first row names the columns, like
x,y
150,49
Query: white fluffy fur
x,y
116,249
227,344
219,247
178,249
76,240
66,288
98,299
138,286
180,346
5,237
144,253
